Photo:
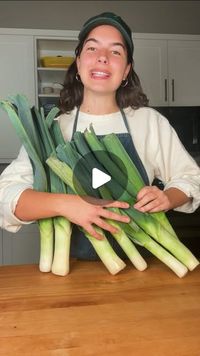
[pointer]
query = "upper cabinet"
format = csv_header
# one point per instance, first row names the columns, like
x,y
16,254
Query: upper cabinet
x,y
184,73
17,76
169,71
150,63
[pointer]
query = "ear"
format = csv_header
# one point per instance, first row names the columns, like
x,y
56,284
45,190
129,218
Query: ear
x,y
78,63
127,70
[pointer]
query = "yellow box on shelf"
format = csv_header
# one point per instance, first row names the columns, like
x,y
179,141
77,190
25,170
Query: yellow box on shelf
x,y
56,61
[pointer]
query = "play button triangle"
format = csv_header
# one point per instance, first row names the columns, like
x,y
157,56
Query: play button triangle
x,y
99,178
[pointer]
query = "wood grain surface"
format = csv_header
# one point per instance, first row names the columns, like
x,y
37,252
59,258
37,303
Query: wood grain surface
x,y
90,312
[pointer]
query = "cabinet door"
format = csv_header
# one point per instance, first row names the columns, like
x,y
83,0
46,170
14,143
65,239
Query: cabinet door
x,y
22,247
17,76
184,73
150,57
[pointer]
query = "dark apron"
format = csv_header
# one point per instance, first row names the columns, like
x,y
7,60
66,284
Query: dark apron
x,y
81,247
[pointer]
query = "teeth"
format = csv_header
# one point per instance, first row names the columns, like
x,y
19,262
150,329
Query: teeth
x,y
100,74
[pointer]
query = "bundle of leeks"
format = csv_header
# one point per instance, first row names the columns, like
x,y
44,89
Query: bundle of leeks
x,y
152,231
39,136
43,141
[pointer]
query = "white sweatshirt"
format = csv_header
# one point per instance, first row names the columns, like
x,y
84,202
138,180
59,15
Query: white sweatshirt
x,y
156,142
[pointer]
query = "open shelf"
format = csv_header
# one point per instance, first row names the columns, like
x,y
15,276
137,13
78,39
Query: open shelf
x,y
51,76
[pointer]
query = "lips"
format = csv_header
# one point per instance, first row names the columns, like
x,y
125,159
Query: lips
x,y
100,74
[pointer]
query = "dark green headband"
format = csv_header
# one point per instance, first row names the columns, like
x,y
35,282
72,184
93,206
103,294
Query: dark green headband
x,y
109,18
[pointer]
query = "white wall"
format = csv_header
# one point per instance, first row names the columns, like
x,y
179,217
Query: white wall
x,y
142,16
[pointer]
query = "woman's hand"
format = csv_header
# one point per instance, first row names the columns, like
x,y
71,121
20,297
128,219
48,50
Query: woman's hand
x,y
33,205
91,211
151,199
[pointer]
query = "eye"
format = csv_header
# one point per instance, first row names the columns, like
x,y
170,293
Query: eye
x,y
91,49
115,52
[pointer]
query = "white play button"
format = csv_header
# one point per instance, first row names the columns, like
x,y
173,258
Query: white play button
x,y
99,178
92,176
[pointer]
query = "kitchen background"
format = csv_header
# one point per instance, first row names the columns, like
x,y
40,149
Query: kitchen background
x,y
146,17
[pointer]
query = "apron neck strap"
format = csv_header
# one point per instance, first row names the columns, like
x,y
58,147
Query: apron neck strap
x,y
75,121
77,115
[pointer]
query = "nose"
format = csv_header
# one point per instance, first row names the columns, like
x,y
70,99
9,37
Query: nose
x,y
102,58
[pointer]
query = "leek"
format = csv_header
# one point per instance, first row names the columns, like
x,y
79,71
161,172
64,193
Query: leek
x,y
62,227
40,178
46,229
61,258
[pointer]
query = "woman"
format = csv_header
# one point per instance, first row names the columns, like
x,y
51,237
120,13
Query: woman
x,y
102,88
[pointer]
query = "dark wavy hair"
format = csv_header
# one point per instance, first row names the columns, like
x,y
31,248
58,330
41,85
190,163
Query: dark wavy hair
x,y
72,93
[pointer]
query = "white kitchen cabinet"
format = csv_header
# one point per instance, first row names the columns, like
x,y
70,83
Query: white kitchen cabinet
x,y
184,73
22,247
150,63
169,70
17,76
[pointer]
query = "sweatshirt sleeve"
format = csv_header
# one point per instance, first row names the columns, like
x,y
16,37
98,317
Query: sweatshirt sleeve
x,y
16,178
174,165
164,156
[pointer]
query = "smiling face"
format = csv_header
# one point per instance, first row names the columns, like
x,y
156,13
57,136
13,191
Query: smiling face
x,y
102,64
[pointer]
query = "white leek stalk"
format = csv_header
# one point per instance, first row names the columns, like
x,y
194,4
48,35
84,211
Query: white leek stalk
x,y
128,247
113,263
63,230
46,244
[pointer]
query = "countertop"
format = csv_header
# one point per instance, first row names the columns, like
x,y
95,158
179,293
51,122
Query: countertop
x,y
90,312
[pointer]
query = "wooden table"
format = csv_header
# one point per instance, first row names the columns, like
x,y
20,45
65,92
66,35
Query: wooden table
x,y
90,312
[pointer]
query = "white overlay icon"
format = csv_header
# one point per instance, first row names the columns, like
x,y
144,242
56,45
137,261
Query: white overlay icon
x,y
99,178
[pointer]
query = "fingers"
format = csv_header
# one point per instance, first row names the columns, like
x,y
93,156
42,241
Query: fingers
x,y
107,203
151,207
144,199
106,226
91,230
148,193
103,224
116,204
151,199
114,216
94,212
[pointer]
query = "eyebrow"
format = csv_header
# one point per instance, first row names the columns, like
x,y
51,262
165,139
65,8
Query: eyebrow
x,y
112,44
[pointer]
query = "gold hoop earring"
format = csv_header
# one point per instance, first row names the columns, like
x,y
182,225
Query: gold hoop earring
x,y
78,78
124,83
